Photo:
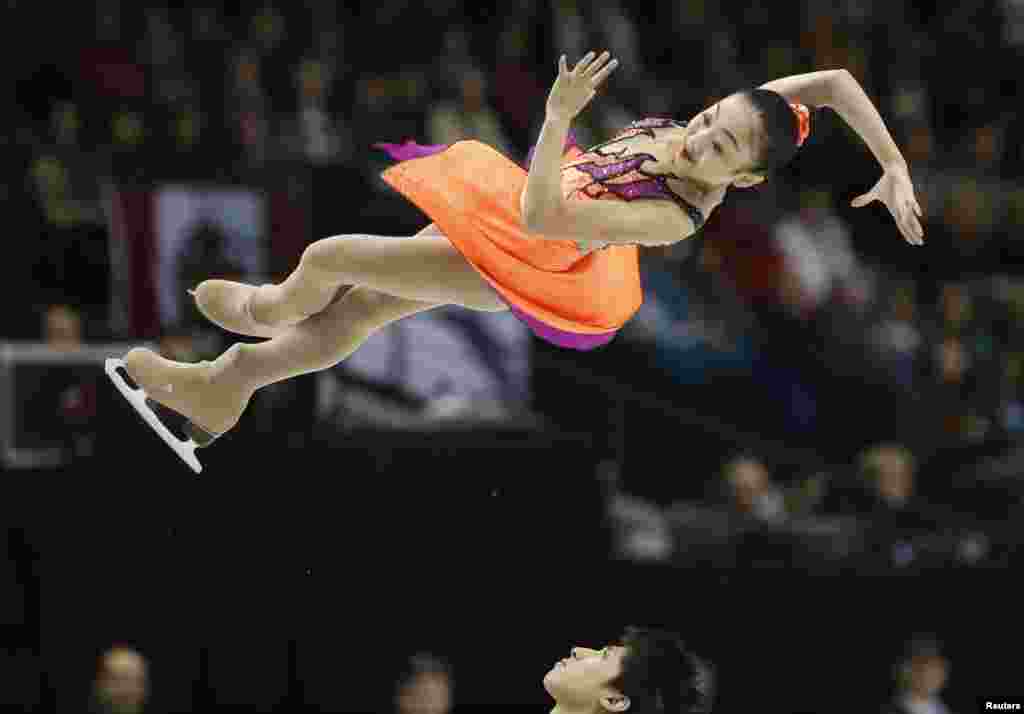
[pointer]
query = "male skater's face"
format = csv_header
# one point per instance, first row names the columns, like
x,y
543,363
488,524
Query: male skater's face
x,y
580,682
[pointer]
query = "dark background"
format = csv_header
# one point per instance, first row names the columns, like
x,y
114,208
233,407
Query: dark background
x,y
308,560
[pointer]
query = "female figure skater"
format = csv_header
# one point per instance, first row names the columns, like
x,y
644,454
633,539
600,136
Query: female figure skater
x,y
556,245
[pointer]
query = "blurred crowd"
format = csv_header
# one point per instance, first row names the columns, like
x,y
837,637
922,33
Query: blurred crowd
x,y
787,283
122,684
425,683
875,518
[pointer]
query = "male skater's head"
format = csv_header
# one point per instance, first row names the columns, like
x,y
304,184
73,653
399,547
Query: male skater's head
x,y
649,671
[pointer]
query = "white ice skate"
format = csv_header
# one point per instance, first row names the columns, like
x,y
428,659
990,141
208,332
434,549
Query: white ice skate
x,y
184,448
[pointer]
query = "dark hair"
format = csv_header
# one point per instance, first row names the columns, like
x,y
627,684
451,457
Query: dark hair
x,y
423,664
660,675
740,457
922,645
781,129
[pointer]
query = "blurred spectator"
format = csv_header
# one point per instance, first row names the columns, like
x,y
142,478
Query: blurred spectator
x,y
53,184
890,468
1011,406
887,493
208,25
967,219
819,261
955,394
986,149
455,58
266,29
921,676
470,116
248,106
313,133
955,305
425,686
920,151
884,483
907,527
71,252
640,530
62,328
73,389
122,683
163,49
106,65
898,338
751,492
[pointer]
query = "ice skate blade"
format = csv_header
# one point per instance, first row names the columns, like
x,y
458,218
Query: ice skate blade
x,y
185,449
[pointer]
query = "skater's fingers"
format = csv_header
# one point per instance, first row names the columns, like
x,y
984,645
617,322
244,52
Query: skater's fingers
x,y
605,71
582,64
592,68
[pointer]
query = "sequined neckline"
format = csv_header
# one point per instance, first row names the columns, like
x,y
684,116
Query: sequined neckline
x,y
626,177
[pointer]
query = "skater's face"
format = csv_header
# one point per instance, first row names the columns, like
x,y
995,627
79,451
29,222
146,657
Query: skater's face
x,y
928,675
122,680
425,693
581,681
719,145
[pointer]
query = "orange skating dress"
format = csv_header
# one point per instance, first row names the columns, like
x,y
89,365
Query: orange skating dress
x,y
567,294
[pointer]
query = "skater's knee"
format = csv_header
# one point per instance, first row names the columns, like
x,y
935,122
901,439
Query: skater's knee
x,y
368,310
345,324
326,254
359,312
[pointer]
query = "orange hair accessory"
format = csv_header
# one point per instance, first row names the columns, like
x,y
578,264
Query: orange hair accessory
x,y
803,119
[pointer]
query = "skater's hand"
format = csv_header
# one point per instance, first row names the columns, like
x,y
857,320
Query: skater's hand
x,y
896,191
574,89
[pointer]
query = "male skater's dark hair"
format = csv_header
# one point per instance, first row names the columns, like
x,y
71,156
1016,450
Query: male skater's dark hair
x,y
660,675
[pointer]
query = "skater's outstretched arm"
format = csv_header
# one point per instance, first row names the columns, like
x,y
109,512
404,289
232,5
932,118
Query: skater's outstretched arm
x,y
548,214
571,92
841,91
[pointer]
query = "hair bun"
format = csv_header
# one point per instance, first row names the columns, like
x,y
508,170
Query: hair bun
x,y
803,120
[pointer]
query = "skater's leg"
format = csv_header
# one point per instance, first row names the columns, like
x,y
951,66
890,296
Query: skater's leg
x,y
431,269
424,268
214,394
323,340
